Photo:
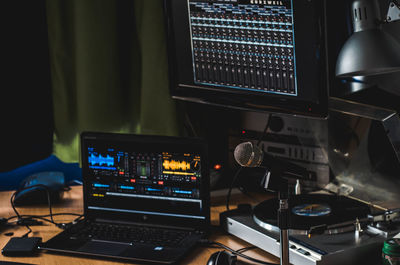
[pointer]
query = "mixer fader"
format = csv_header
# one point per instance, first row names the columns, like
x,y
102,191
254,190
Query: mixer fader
x,y
244,44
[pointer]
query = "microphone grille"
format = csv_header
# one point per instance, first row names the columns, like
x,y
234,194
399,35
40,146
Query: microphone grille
x,y
248,155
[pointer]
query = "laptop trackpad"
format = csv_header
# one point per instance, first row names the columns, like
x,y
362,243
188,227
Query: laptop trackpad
x,y
103,248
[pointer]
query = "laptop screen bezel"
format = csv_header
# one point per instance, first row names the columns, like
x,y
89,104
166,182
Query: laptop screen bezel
x,y
164,142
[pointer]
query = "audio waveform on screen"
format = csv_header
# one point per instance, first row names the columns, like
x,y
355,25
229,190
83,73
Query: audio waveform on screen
x,y
176,165
101,160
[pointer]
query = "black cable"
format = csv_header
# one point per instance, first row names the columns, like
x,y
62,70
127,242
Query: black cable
x,y
42,217
228,196
23,220
190,124
18,215
27,220
27,233
45,215
265,130
238,253
12,204
241,250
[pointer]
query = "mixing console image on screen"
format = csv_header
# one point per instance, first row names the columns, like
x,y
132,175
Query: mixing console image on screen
x,y
166,182
244,44
249,54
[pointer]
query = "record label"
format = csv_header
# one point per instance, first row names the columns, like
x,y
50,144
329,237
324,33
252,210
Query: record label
x,y
312,210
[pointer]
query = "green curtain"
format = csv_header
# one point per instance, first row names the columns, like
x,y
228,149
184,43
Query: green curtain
x,y
109,70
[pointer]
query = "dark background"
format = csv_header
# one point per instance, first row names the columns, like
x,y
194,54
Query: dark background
x,y
26,108
26,101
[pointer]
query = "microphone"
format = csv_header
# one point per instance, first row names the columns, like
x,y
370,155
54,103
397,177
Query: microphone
x,y
249,155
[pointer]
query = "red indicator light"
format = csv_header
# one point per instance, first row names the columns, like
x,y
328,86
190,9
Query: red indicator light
x,y
217,167
133,180
243,132
193,178
121,172
161,182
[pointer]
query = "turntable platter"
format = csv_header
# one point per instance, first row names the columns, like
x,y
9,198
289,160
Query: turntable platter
x,y
307,211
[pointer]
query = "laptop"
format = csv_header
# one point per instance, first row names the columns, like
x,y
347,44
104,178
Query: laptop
x,y
146,198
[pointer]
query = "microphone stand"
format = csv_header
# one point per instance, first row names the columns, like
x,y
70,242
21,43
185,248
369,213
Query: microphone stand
x,y
273,181
283,221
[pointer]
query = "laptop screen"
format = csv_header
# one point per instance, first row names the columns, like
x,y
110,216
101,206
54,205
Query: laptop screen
x,y
153,179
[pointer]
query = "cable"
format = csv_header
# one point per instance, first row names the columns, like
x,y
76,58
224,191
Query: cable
x,y
30,187
190,124
27,220
241,254
32,220
228,196
241,250
27,233
42,217
18,215
265,130
45,215
236,252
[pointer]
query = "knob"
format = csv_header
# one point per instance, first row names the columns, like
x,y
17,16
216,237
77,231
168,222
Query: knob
x,y
276,124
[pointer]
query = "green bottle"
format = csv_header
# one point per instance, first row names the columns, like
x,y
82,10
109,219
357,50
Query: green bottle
x,y
391,252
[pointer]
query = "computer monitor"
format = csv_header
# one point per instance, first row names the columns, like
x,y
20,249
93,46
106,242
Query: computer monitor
x,y
249,54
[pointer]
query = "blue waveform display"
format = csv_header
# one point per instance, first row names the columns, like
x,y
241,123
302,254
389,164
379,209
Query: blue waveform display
x,y
105,168
152,189
101,160
98,185
126,187
179,191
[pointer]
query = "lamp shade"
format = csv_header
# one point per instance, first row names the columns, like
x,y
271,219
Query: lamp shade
x,y
368,52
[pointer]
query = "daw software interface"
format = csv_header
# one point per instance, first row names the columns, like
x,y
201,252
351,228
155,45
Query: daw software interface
x,y
244,45
149,182
250,54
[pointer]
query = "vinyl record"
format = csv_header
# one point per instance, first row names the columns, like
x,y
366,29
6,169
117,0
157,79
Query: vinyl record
x,y
311,210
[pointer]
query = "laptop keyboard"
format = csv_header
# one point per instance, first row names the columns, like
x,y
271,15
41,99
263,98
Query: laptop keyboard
x,y
131,234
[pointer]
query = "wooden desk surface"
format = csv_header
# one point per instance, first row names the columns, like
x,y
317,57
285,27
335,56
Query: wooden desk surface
x,y
72,203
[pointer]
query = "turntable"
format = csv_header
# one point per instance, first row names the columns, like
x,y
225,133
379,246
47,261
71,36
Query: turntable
x,y
313,214
325,229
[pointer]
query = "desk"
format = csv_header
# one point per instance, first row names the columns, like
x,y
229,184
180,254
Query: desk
x,y
72,203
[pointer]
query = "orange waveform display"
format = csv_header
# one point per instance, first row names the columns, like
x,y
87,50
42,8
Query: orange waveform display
x,y
176,165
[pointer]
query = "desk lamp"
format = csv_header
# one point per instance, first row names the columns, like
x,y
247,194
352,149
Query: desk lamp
x,y
369,51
